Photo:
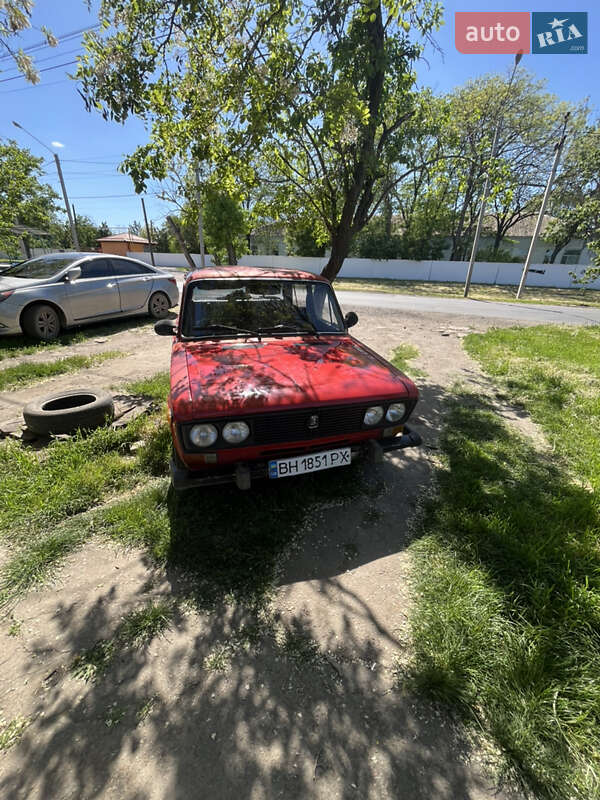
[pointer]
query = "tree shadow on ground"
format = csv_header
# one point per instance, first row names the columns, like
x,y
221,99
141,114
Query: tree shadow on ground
x,y
243,701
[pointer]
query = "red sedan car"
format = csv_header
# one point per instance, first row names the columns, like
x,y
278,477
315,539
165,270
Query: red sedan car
x,y
266,381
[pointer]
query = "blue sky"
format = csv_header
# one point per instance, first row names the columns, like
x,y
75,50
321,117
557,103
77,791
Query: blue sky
x,y
53,110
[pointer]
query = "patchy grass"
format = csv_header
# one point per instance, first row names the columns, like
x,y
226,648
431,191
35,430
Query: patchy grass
x,y
17,346
137,630
504,294
402,355
507,607
30,372
554,373
12,732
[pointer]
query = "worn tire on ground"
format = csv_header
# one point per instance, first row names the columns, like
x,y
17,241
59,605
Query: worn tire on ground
x,y
67,412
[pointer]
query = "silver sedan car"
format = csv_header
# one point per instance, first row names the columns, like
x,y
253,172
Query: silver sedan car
x,y
43,295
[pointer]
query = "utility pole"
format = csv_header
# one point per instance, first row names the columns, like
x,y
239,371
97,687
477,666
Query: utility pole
x,y
200,219
148,232
62,184
558,147
66,199
486,186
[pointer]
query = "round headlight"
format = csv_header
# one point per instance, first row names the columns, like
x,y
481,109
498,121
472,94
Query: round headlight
x,y
203,435
395,412
373,415
236,432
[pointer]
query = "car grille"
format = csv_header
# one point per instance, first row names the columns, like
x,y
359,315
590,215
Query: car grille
x,y
293,426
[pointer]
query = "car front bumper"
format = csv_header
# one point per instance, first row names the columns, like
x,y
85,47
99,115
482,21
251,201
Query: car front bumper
x,y
243,474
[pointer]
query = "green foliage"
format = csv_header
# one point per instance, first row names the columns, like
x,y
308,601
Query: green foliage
x,y
87,230
499,256
313,102
15,17
302,238
575,201
23,199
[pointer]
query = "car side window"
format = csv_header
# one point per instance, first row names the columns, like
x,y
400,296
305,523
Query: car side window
x,y
97,268
123,267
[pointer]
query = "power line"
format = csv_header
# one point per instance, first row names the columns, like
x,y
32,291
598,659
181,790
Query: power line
x,y
64,37
39,85
46,69
102,196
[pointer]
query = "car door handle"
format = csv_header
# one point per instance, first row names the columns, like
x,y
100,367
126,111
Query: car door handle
x,y
110,285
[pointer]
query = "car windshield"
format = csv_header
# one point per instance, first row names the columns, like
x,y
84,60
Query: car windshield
x,y
255,306
41,267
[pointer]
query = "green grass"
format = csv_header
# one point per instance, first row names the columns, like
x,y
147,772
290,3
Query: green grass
x,y
554,373
17,346
12,732
401,357
507,571
505,294
136,631
30,372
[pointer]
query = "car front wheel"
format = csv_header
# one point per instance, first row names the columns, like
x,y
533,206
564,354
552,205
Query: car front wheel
x,y
158,305
41,322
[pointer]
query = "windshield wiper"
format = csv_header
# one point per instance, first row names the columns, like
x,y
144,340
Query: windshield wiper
x,y
217,326
288,328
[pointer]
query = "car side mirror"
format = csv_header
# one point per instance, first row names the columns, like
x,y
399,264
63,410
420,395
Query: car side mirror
x,y
166,327
73,274
350,319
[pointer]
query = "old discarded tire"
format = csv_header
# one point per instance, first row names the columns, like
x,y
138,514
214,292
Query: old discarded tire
x,y
69,411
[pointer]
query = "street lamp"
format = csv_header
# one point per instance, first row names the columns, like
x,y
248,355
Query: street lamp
x,y
486,186
62,183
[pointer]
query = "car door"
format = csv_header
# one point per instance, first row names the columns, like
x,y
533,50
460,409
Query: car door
x,y
95,293
134,282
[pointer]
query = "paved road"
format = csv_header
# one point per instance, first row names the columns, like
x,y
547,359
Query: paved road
x,y
520,312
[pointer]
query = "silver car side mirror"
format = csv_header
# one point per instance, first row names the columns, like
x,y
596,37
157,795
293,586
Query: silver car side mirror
x,y
73,274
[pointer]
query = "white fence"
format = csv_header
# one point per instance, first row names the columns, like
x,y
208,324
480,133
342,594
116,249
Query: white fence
x,y
550,275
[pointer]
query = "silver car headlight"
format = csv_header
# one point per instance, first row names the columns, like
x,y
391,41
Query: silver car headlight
x,y
236,432
395,412
203,435
373,415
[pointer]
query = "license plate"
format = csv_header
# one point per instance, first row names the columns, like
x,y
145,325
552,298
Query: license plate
x,y
299,465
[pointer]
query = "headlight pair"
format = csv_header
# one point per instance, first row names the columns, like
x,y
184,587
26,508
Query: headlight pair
x,y
394,413
206,435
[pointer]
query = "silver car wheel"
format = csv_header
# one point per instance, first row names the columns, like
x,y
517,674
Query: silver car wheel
x,y
41,322
158,305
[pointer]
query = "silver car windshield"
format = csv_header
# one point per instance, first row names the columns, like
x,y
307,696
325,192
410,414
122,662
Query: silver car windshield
x,y
41,267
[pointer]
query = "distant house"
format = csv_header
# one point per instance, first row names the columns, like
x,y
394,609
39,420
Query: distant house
x,y
518,239
122,243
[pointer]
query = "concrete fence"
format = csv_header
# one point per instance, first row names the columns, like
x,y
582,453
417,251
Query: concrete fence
x,y
549,275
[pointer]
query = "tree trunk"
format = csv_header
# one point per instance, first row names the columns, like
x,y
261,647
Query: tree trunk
x,y
387,216
231,257
497,241
340,246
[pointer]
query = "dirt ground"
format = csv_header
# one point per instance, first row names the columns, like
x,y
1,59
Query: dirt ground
x,y
268,725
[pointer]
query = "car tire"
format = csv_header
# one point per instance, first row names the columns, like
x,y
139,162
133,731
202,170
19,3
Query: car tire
x,y
41,321
67,412
158,305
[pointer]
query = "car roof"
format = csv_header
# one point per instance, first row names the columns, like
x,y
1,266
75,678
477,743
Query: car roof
x,y
241,271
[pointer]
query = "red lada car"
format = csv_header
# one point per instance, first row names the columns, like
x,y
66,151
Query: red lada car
x,y
266,381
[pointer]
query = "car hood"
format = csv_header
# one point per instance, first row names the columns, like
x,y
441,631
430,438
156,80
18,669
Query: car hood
x,y
224,377
8,282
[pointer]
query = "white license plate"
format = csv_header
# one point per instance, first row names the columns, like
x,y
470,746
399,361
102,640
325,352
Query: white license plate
x,y
286,467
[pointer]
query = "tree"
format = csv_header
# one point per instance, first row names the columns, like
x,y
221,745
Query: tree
x,y
15,17
575,200
24,200
135,228
88,233
302,237
224,225
318,93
